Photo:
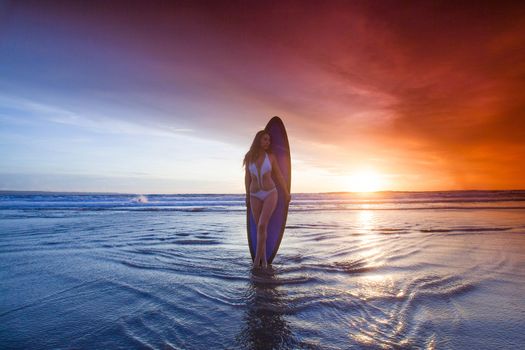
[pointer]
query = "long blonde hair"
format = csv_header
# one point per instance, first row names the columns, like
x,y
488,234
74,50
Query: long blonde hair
x,y
255,148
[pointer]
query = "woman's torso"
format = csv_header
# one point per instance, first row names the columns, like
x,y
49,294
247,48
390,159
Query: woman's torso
x,y
265,181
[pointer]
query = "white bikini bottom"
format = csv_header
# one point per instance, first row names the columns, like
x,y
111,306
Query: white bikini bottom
x,y
263,194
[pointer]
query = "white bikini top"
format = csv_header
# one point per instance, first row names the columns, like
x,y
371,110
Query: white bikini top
x,y
265,167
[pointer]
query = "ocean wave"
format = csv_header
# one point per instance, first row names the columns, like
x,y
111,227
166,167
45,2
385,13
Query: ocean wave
x,y
465,229
30,211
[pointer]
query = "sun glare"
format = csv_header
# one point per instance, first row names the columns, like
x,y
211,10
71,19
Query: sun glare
x,y
364,181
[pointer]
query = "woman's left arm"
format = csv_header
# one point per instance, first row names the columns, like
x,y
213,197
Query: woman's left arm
x,y
276,170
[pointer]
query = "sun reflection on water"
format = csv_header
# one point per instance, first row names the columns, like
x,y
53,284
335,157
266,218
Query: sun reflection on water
x,y
375,287
366,226
366,219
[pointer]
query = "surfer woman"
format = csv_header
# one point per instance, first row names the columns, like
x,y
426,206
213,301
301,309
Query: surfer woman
x,y
261,193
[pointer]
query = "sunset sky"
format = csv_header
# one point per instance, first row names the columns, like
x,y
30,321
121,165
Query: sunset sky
x,y
160,97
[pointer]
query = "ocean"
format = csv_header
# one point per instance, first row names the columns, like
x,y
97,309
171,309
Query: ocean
x,y
386,270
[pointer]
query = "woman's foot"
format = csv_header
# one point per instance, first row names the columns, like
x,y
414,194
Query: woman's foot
x,y
264,263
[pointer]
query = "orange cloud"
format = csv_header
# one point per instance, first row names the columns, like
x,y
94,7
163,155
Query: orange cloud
x,y
427,93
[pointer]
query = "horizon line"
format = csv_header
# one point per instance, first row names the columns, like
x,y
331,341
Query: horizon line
x,y
2,192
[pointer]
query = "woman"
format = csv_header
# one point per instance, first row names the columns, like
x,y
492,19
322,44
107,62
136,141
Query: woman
x,y
261,193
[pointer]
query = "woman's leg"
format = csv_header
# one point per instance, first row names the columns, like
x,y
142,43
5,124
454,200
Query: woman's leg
x,y
256,206
268,207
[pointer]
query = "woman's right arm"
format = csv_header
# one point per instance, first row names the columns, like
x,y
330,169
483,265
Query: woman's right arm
x,y
247,181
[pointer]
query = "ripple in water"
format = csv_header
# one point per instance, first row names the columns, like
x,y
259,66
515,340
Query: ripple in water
x,y
343,279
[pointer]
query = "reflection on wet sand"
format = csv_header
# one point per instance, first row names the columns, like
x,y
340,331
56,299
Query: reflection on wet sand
x,y
265,326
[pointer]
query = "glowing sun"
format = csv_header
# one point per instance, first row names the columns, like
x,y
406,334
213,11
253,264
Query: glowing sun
x,y
364,181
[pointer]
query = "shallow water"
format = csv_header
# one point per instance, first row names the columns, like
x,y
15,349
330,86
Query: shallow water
x,y
393,270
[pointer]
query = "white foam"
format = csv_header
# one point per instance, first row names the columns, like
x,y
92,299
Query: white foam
x,y
140,199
